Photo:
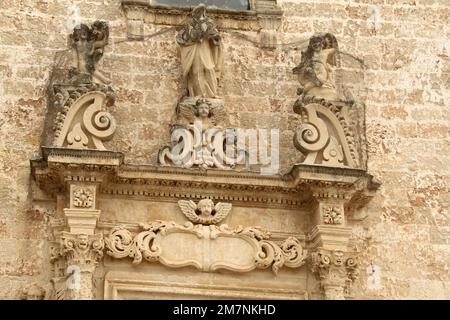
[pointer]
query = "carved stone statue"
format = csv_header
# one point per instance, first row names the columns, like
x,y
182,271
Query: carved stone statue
x,y
201,54
316,69
88,46
204,212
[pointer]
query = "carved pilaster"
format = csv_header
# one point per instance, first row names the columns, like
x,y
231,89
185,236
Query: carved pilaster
x,y
331,260
328,207
81,253
82,215
336,270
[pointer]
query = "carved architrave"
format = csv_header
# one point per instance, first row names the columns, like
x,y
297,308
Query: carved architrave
x,y
204,212
336,270
208,248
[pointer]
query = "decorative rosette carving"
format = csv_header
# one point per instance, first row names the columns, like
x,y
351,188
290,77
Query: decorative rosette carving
x,y
83,198
332,215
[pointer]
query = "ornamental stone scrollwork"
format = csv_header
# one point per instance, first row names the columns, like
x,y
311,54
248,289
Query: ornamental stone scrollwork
x,y
80,95
205,212
198,140
336,270
332,129
332,215
82,122
207,248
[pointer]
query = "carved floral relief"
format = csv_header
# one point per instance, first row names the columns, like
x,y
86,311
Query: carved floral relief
x,y
83,197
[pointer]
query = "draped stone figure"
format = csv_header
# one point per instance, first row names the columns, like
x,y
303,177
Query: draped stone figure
x,y
201,54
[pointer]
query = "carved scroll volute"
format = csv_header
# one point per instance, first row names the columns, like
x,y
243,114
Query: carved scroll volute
x,y
323,138
86,123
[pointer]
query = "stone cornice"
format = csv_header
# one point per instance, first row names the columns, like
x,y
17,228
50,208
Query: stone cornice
x,y
301,185
264,17
226,18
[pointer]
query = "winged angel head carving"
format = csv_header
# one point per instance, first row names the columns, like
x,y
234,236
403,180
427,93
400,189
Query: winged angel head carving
x,y
209,113
204,212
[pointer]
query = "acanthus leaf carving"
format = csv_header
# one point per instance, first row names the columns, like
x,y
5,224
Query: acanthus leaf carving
x,y
336,270
80,249
257,251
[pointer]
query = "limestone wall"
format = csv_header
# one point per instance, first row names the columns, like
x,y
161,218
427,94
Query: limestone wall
x,y
404,45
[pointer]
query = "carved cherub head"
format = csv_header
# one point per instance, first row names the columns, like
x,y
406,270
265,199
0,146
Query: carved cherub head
x,y
203,109
83,241
33,292
206,207
316,43
81,32
205,212
199,12
100,30
329,41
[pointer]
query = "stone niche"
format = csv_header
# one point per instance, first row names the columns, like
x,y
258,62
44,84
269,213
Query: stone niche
x,y
196,229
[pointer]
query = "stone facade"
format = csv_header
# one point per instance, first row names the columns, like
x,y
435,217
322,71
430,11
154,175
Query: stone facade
x,y
395,61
